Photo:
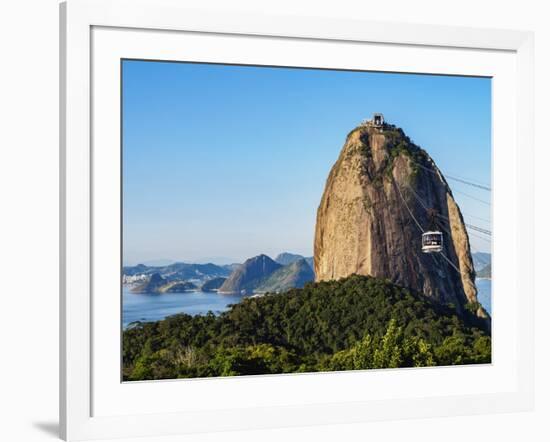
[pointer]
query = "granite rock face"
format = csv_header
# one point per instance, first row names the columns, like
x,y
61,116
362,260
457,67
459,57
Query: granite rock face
x,y
381,193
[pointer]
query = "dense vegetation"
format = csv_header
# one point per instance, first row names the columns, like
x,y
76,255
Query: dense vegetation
x,y
398,143
358,322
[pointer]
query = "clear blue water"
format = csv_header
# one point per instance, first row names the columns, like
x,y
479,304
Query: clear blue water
x,y
484,293
149,307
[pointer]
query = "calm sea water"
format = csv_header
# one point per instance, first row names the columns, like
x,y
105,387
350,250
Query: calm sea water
x,y
149,307
484,293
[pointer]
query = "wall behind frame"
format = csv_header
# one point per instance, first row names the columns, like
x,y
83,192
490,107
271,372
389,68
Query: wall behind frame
x,y
29,221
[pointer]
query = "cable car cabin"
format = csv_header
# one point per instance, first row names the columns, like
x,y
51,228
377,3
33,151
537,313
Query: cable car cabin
x,y
432,242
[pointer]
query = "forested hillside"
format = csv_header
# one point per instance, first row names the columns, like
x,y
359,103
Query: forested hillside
x,y
358,322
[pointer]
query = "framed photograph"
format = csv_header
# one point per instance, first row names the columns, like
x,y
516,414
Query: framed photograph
x,y
274,221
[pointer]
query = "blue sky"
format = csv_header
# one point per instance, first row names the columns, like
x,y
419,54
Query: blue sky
x,y
222,163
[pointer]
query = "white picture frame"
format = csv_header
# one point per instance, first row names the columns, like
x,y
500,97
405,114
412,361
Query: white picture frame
x,y
92,404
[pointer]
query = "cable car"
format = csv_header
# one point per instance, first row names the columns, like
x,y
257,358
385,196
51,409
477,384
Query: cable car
x,y
432,241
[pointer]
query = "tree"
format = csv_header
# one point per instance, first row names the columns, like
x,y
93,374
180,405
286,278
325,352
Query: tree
x,y
355,323
390,353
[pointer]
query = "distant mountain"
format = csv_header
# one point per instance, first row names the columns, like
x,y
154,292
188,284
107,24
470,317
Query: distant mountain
x,y
178,287
249,275
485,272
231,267
179,271
287,258
135,270
151,285
158,262
293,275
218,260
481,260
213,284
157,284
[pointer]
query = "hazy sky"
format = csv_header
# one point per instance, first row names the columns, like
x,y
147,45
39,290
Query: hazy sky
x,y
222,163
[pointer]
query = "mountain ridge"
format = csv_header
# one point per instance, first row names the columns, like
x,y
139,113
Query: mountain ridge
x,y
156,284
294,275
249,275
178,270
261,274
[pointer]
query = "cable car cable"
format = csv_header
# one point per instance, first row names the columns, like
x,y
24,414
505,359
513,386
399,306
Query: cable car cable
x,y
479,229
407,206
477,217
473,197
480,237
440,252
422,230
417,197
452,177
453,266
459,272
451,263
479,186
470,226
444,217
470,233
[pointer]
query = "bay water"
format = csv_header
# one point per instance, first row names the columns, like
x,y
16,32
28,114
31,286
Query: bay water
x,y
147,307
154,307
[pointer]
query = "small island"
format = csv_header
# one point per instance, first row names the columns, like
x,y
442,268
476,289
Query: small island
x,y
212,285
157,284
